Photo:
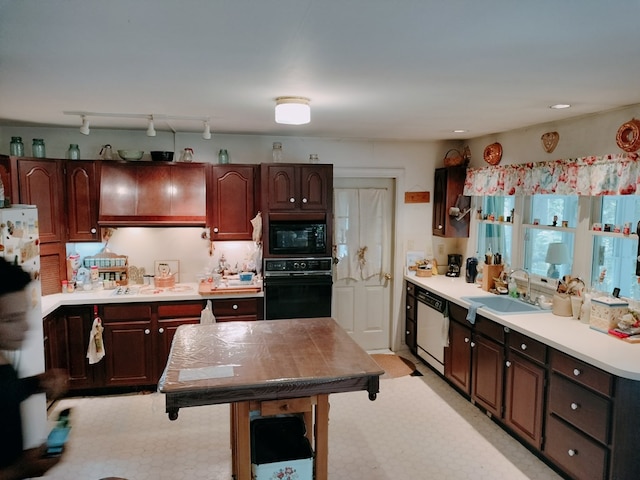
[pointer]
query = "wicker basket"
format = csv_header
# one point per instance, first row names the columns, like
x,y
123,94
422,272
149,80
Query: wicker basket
x,y
453,158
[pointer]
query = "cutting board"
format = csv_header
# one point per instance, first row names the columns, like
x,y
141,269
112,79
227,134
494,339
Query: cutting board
x,y
205,288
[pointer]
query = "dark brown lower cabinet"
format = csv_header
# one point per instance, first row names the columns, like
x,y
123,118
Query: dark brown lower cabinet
x,y
137,339
457,363
488,374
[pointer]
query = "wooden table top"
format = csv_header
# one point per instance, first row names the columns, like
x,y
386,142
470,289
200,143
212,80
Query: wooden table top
x,y
238,361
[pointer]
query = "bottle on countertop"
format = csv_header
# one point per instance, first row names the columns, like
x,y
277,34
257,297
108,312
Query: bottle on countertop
x,y
471,269
513,287
488,257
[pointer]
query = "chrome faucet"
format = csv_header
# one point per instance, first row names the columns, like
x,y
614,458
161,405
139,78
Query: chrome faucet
x,y
527,298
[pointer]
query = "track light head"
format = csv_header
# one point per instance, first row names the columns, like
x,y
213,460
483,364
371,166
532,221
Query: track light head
x,y
151,131
84,128
206,134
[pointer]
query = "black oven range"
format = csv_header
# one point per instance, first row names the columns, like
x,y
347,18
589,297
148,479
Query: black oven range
x,y
297,287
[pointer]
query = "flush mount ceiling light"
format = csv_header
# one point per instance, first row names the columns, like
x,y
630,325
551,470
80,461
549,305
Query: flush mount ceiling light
x,y
207,131
151,131
560,106
84,128
293,110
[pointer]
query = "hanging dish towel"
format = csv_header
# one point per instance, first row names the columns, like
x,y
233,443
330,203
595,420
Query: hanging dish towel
x,y
95,352
206,316
256,223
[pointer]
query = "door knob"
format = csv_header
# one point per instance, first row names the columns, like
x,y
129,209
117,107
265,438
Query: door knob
x,y
387,276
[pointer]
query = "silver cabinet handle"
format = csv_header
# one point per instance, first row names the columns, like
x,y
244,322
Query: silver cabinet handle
x,y
235,307
408,307
304,200
572,452
508,363
147,331
292,200
523,346
466,340
216,229
161,330
94,230
574,406
576,372
473,344
407,332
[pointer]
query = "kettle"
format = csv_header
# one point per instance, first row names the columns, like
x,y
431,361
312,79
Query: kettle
x,y
106,153
187,155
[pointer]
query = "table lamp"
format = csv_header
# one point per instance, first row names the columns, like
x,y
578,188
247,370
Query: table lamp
x,y
557,254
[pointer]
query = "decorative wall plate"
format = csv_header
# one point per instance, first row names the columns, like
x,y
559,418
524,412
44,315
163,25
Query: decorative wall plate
x,y
550,141
493,153
628,136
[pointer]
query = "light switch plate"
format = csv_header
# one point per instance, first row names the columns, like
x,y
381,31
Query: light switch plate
x,y
174,267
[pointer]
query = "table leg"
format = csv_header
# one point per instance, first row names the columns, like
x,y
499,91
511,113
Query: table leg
x,y
322,437
241,453
232,430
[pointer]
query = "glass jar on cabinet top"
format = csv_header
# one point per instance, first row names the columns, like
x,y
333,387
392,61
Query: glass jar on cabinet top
x,y
277,152
74,152
223,156
16,147
37,148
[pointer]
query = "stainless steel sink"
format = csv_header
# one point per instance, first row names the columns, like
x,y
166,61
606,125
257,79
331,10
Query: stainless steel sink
x,y
503,305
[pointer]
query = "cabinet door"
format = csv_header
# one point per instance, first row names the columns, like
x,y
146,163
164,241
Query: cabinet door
x,y
457,364
316,186
524,396
488,374
41,184
448,186
281,187
170,317
410,317
118,191
128,345
82,201
232,202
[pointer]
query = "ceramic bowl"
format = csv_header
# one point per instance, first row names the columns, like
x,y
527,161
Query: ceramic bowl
x,y
161,156
130,154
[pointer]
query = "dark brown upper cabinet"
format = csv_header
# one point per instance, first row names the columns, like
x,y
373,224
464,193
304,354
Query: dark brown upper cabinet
x,y
232,202
447,189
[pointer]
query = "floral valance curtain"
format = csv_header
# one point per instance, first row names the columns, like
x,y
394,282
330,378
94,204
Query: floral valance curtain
x,y
614,174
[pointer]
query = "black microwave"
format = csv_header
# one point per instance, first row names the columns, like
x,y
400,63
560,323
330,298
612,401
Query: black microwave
x,y
297,238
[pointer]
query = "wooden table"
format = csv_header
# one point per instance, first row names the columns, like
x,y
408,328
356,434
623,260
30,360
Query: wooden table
x,y
274,366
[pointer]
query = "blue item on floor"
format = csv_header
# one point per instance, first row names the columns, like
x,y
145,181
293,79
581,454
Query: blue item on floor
x,y
471,314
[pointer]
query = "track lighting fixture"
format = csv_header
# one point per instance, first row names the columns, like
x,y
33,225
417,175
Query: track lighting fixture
x,y
293,110
84,128
151,131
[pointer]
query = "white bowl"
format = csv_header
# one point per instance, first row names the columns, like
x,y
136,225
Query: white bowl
x,y
130,154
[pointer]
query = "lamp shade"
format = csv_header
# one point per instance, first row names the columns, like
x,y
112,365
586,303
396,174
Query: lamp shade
x,y
557,254
293,110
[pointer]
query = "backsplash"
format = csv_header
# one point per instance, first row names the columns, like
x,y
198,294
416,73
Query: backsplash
x,y
183,246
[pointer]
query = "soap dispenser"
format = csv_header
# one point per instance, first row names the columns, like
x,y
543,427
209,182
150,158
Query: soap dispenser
x,y
513,287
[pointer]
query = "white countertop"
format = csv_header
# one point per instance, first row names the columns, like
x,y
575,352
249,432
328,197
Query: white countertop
x,y
562,333
185,291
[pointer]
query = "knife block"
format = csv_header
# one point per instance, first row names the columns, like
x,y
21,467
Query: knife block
x,y
489,274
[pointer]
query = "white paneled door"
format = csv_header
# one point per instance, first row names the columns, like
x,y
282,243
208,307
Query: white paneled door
x,y
363,245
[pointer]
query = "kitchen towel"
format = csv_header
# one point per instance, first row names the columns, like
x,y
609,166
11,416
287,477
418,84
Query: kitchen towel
x,y
95,352
471,314
206,316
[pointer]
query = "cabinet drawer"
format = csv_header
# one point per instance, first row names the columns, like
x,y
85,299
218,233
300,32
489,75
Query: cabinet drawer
x,y
411,288
411,308
126,312
527,347
235,307
580,407
458,313
179,310
582,373
490,329
580,456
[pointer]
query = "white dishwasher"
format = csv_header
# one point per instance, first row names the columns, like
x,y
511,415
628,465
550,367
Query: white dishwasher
x,y
433,329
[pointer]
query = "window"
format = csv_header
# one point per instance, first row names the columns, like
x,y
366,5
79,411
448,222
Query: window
x,y
552,221
614,254
496,233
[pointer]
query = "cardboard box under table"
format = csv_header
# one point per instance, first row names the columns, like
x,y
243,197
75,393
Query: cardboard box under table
x,y
280,449
272,367
606,313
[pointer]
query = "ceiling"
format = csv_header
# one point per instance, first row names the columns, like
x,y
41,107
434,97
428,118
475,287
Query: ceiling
x,y
375,69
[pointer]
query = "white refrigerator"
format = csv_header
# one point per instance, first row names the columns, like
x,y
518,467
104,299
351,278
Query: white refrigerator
x,y
19,243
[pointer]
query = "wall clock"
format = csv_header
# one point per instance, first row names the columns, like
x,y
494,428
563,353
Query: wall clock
x,y
628,136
